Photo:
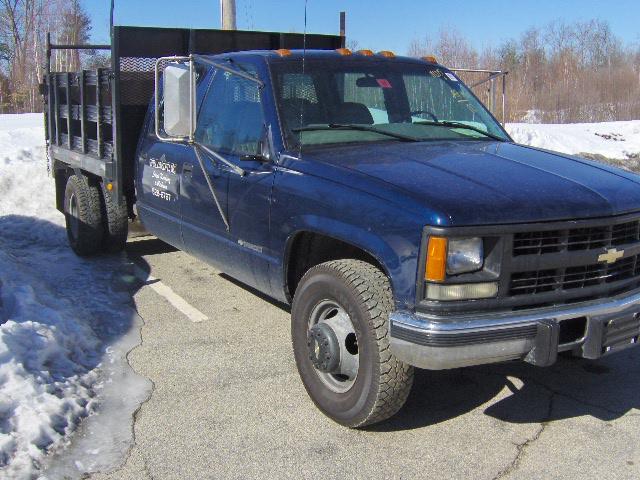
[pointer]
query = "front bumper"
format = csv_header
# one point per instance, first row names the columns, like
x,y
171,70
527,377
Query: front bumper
x,y
589,330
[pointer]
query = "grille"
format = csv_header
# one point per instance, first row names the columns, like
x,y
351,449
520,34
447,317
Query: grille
x,y
540,281
575,239
561,265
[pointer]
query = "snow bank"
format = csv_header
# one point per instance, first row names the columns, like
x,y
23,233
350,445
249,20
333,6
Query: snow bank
x,y
26,188
47,362
67,393
615,140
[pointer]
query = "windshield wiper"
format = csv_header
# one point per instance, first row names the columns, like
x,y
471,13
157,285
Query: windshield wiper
x,y
351,126
448,124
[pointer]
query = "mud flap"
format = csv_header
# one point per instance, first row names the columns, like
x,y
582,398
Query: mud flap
x,y
545,348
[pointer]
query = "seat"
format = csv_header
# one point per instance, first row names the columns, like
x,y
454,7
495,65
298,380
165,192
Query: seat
x,y
299,112
352,112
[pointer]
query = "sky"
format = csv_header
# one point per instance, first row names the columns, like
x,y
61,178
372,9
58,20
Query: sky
x,y
378,25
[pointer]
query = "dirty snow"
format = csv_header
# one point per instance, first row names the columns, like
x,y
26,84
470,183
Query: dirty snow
x,y
67,394
613,140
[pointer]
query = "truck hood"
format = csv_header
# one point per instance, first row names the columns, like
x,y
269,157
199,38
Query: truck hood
x,y
475,183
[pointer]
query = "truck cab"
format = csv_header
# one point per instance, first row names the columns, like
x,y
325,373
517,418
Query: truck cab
x,y
378,197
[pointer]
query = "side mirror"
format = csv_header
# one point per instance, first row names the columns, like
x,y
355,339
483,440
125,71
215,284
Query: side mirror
x,y
178,122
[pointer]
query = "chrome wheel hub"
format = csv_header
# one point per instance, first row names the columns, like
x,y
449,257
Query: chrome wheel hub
x,y
333,346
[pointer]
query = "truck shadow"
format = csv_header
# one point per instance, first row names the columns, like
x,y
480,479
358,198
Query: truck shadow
x,y
147,246
517,392
94,289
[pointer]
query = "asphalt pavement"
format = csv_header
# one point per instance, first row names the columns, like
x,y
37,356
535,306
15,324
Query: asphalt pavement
x,y
227,401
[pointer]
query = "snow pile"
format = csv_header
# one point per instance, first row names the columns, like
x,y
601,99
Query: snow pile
x,y
67,393
613,140
26,188
46,370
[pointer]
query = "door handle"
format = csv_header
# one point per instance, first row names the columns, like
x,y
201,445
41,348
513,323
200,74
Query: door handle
x,y
187,169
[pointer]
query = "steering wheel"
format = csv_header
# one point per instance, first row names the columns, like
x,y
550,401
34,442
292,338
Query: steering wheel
x,y
426,112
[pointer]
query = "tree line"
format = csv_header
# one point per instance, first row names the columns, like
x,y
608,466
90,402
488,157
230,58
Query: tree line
x,y
23,28
560,73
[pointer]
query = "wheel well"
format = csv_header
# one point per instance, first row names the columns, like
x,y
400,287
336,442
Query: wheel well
x,y
309,249
62,172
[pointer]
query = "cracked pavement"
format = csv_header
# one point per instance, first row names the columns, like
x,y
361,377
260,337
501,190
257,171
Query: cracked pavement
x,y
227,403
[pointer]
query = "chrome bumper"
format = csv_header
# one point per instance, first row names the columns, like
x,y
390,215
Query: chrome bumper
x,y
438,343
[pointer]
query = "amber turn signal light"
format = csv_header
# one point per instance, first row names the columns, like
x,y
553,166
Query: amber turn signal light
x,y
436,259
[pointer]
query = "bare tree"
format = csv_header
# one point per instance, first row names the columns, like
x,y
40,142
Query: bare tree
x,y
23,24
560,73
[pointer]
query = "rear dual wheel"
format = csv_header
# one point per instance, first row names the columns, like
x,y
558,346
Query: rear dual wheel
x,y
95,222
340,335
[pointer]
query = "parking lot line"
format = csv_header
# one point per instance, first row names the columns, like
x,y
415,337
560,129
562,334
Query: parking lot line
x,y
172,297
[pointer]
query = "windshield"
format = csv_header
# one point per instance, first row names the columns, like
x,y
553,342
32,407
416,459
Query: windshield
x,y
381,100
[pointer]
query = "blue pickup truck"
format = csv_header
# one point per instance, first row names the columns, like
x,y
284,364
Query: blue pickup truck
x,y
373,193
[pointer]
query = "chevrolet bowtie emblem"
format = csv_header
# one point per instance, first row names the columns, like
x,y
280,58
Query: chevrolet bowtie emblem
x,y
611,256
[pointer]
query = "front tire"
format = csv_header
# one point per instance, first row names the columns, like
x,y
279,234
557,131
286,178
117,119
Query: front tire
x,y
334,297
83,216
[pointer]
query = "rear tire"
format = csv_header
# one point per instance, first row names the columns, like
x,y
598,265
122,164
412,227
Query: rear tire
x,y
83,216
382,384
116,223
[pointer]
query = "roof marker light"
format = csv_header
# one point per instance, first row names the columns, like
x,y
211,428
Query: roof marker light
x,y
283,52
387,53
430,58
365,52
343,51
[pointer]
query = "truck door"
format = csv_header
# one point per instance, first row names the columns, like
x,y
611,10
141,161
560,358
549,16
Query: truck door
x,y
158,198
163,170
231,233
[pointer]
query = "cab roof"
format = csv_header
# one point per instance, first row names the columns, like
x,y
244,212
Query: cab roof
x,y
294,55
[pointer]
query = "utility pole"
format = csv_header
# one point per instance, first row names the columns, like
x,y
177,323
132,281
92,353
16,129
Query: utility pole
x,y
228,14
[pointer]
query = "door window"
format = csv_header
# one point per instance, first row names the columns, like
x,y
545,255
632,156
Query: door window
x,y
231,119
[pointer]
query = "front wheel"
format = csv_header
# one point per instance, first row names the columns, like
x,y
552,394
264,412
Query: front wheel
x,y
340,335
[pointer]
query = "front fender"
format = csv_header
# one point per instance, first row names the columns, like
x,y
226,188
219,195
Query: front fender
x,y
388,233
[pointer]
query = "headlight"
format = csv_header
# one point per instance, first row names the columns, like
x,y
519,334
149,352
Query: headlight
x,y
464,255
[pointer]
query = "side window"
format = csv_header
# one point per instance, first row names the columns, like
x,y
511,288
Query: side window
x,y
231,119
